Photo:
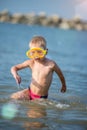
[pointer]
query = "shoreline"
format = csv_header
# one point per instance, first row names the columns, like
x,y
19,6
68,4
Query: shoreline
x,y
43,20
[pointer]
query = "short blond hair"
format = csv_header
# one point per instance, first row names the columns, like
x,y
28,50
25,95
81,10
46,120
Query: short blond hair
x,y
38,40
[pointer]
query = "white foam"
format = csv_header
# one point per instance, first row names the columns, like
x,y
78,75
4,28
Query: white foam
x,y
59,105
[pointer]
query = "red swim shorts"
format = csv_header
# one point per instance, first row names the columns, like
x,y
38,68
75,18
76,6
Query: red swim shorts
x,y
33,96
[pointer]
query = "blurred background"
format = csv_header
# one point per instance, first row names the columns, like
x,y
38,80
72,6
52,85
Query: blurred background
x,y
63,8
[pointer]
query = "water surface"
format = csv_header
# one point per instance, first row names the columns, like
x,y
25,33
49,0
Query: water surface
x,y
66,111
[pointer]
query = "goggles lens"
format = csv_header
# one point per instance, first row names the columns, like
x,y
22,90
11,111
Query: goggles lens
x,y
36,53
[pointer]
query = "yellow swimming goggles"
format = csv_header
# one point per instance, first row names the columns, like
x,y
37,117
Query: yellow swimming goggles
x,y
36,53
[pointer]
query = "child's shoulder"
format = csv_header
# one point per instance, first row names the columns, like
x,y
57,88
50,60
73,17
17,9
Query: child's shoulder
x,y
50,61
29,62
52,64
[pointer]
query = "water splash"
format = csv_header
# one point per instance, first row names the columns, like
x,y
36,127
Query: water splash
x,y
64,106
19,86
50,103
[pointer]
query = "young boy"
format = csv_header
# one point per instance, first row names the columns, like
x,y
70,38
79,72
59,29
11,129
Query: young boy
x,y
42,71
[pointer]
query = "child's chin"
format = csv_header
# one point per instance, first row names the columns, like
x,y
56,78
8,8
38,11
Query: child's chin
x,y
38,59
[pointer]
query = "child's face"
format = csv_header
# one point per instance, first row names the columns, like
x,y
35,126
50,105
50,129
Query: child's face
x,y
36,52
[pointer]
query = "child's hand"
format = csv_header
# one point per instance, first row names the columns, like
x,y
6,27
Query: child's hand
x,y
63,89
18,79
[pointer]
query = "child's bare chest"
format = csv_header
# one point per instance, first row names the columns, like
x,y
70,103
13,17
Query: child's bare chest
x,y
41,70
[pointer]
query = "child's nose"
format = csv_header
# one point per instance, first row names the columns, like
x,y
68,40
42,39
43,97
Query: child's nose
x,y
36,55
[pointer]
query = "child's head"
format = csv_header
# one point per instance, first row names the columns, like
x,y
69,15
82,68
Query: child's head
x,y
37,48
38,41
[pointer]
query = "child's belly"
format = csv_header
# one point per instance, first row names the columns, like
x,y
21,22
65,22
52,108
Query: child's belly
x,y
39,90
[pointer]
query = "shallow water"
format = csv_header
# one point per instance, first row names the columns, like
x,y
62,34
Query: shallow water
x,y
66,111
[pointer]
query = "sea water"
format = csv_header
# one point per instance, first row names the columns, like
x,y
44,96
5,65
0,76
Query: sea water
x,y
61,111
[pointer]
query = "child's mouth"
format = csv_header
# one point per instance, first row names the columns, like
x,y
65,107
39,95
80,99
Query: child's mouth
x,y
37,58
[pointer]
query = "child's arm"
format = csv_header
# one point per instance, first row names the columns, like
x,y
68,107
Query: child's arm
x,y
15,68
60,74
